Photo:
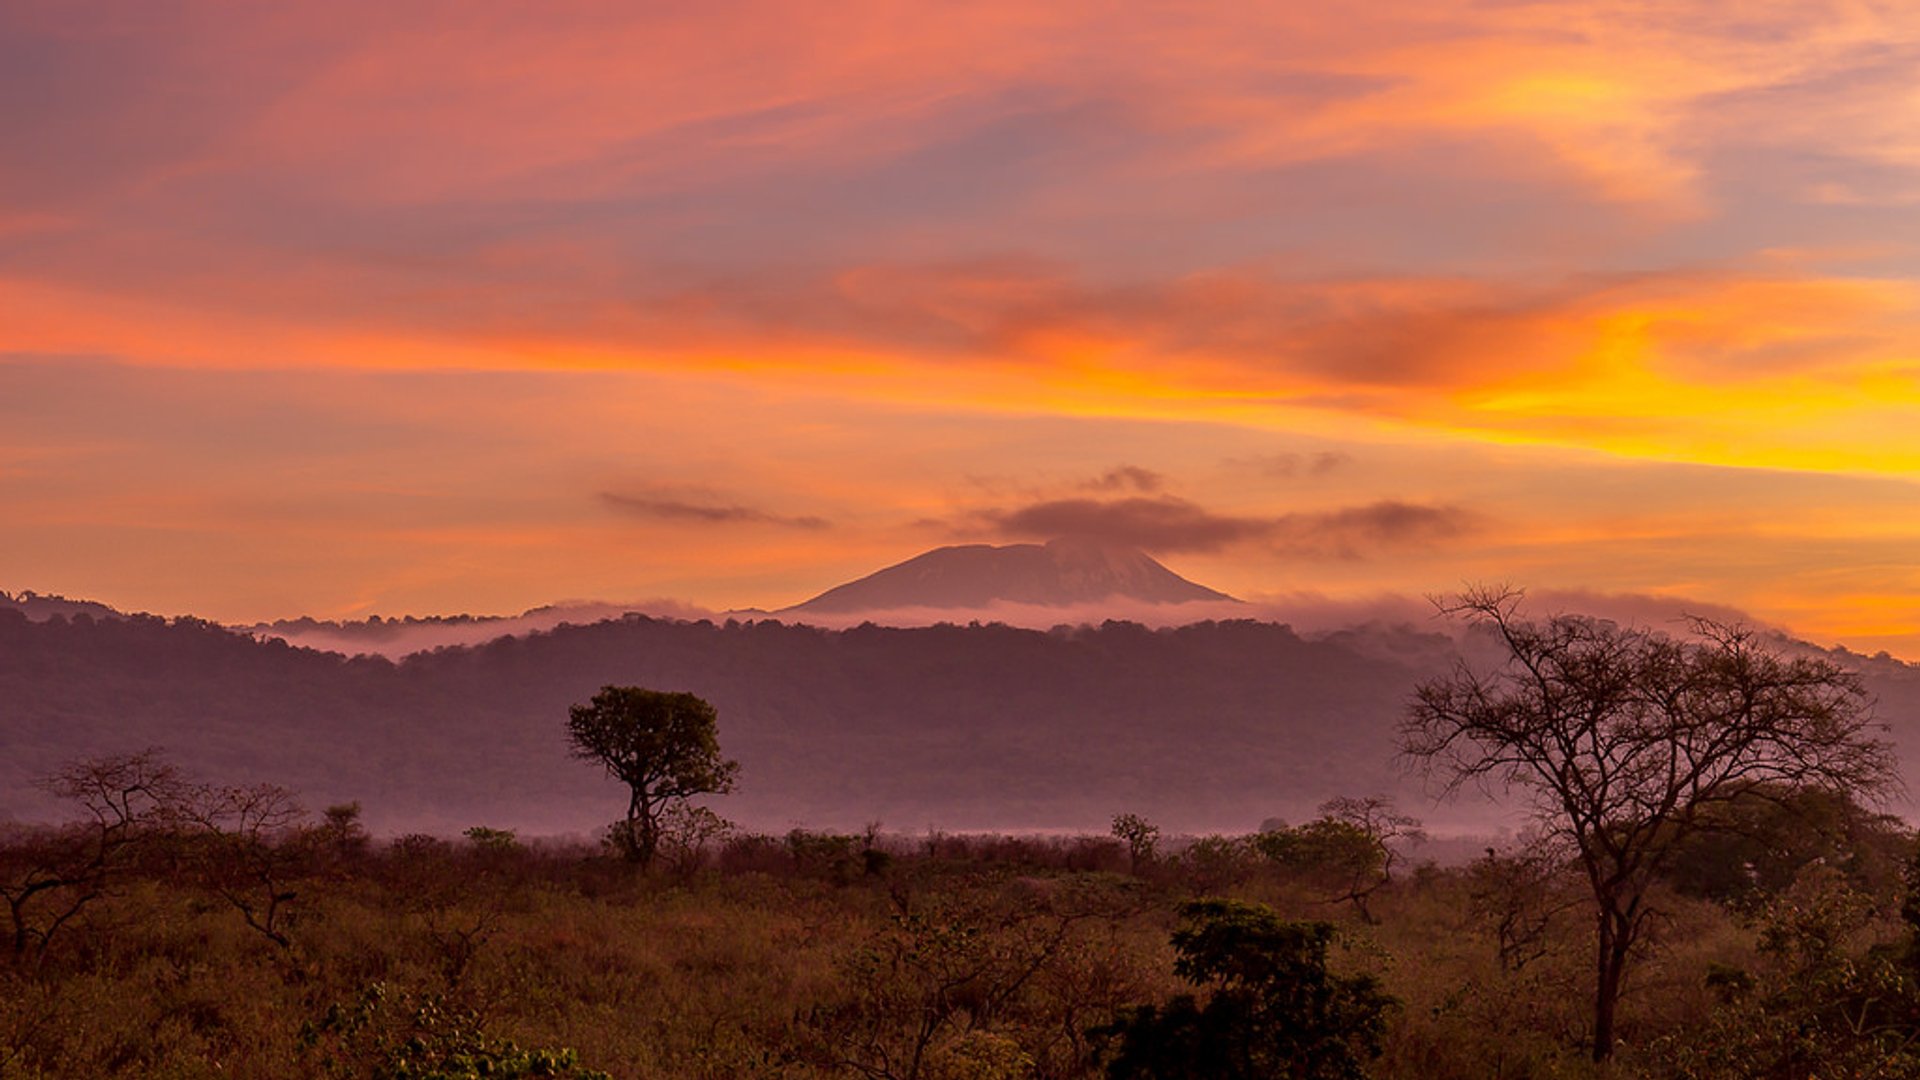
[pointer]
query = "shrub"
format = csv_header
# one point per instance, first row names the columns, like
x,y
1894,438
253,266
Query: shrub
x,y
1275,1009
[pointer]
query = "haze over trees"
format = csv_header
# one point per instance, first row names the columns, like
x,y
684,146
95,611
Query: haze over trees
x,y
1626,742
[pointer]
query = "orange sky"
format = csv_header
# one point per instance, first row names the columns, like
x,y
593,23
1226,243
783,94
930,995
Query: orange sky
x,y
356,308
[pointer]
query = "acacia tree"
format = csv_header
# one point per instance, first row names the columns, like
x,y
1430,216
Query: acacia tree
x,y
245,851
664,746
48,877
1626,741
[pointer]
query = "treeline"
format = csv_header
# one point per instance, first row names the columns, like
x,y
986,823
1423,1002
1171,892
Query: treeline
x,y
180,929
966,726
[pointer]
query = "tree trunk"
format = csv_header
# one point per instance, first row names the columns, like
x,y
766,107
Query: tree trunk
x,y
1615,941
643,829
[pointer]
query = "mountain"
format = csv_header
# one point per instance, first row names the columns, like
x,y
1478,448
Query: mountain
x,y
1058,573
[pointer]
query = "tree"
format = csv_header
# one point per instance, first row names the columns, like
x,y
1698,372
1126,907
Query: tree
x,y
1141,837
1349,850
245,847
1275,1009
664,746
49,876
1627,741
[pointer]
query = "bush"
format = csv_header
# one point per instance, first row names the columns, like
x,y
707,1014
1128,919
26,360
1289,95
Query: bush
x,y
1275,1009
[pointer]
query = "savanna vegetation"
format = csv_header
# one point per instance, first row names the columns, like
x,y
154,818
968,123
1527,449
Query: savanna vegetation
x,y
1708,895
176,931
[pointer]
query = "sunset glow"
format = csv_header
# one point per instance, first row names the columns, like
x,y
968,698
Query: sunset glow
x,y
350,308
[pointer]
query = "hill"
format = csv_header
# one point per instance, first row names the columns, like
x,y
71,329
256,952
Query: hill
x,y
1211,725
1215,725
1059,573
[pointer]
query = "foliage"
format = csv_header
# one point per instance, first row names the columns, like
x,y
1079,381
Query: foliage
x,y
1752,847
664,746
1348,852
940,990
1216,864
966,957
405,1036
1816,1005
486,838
1275,1010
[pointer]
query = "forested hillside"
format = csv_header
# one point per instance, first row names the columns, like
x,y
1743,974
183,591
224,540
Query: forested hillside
x,y
1212,725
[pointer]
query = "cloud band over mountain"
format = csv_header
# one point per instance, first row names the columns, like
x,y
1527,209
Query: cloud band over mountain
x,y
1169,524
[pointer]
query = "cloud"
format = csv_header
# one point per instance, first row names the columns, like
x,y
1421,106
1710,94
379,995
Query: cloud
x,y
1290,464
1165,523
668,509
1083,205
1127,477
1352,531
1169,524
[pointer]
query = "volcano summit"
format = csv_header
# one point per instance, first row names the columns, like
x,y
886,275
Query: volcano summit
x,y
1059,573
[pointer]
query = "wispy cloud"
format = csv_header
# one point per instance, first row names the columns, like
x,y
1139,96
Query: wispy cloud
x,y
1127,478
668,509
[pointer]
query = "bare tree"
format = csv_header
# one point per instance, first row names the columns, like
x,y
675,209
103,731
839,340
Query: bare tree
x,y
49,876
1624,738
245,851
1520,894
1385,828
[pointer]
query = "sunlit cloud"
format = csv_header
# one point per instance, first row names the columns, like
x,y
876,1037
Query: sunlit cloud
x,y
345,307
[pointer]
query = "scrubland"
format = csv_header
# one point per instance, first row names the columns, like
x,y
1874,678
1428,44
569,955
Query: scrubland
x,y
312,950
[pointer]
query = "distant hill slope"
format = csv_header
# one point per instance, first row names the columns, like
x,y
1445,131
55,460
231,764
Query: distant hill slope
x,y
40,607
397,637
1209,726
1213,725
1059,573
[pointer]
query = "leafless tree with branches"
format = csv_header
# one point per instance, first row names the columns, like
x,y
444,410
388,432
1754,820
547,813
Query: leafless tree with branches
x,y
1623,738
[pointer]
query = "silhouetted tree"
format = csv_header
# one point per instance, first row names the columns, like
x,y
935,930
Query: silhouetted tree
x,y
664,746
1627,739
49,876
244,849
1141,836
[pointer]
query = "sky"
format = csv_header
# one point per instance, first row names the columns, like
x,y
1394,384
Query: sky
x,y
360,308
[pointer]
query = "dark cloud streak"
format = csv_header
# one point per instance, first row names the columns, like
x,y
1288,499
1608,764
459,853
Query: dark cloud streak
x,y
680,510
1169,524
1125,477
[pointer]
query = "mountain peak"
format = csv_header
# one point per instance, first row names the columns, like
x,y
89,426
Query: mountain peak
x,y
1062,572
